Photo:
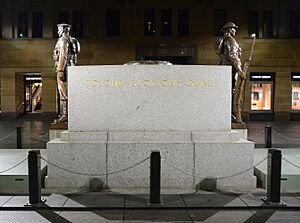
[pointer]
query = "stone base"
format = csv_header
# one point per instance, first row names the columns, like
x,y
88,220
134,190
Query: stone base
x,y
241,129
195,156
56,129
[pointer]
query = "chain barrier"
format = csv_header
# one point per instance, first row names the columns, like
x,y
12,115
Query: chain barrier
x,y
183,171
290,162
244,171
283,136
95,175
14,166
10,134
219,178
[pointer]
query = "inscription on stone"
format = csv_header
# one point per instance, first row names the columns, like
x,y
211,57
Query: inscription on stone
x,y
149,83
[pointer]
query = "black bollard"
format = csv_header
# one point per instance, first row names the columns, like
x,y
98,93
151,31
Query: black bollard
x,y
274,176
155,160
34,172
268,136
19,138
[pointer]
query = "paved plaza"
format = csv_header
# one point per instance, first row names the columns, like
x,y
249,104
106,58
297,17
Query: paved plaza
x,y
132,206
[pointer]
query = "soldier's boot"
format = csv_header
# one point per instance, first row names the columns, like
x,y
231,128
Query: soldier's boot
x,y
64,117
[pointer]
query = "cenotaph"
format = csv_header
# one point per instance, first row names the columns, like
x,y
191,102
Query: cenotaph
x,y
118,114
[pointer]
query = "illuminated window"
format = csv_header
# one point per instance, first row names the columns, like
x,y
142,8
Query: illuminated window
x,y
296,96
149,22
261,97
22,25
166,22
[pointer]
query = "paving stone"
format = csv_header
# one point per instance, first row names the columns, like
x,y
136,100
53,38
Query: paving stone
x,y
56,200
157,215
17,201
21,217
99,200
284,217
89,217
207,199
228,216
4,199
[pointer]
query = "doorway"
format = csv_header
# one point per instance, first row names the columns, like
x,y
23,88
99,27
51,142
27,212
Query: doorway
x,y
33,93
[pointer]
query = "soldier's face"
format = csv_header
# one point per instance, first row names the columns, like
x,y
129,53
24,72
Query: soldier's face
x,y
60,31
232,31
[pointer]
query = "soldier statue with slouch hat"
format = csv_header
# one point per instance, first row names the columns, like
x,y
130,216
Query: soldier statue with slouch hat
x,y
64,55
229,53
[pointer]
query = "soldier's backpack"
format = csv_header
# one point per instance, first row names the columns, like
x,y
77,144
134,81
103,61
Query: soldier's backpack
x,y
219,47
74,45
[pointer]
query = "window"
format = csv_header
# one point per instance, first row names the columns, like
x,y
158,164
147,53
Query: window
x,y
149,22
183,22
261,96
112,22
77,25
63,17
37,25
296,96
0,25
219,19
22,25
295,78
253,26
294,24
166,22
261,85
267,28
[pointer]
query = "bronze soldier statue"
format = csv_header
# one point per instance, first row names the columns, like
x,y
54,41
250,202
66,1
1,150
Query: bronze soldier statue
x,y
64,55
229,53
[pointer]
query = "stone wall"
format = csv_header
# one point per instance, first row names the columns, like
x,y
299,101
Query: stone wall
x,y
279,54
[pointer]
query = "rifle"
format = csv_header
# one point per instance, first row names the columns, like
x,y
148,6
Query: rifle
x,y
241,86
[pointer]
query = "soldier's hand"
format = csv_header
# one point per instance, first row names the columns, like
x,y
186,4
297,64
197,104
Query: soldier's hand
x,y
242,75
61,76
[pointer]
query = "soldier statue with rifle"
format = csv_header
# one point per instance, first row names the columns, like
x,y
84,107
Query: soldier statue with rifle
x,y
229,53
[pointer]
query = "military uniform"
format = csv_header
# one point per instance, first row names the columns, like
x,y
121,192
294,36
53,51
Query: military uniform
x,y
229,53
64,55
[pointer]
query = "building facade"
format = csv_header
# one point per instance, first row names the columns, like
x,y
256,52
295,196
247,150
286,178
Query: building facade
x,y
118,31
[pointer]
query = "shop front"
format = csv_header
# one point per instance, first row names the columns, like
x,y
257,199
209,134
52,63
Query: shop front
x,y
262,96
295,107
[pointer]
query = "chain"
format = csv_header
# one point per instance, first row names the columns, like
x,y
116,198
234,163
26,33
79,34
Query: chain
x,y
285,136
10,134
290,162
219,178
95,175
244,171
172,165
14,166
118,171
